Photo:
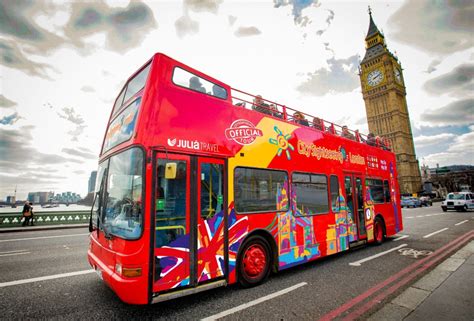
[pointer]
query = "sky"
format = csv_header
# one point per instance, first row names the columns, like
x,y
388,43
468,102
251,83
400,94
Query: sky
x,y
62,64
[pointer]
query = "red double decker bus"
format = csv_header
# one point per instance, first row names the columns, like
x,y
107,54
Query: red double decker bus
x,y
201,185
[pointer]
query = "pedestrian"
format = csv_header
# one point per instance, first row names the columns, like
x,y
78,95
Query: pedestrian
x,y
27,213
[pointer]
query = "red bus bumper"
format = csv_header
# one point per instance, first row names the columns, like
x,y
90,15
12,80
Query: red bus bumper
x,y
129,290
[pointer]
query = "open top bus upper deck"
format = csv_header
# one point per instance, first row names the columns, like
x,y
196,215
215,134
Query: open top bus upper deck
x,y
182,109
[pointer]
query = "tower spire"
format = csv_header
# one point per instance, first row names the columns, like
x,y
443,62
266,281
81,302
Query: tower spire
x,y
372,27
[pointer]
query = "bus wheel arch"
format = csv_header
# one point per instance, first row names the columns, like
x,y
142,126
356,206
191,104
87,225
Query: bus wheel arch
x,y
379,229
256,258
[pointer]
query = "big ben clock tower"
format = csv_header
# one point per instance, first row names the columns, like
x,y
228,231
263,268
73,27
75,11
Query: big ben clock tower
x,y
383,90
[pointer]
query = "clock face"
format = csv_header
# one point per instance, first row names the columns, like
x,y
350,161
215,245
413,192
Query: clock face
x,y
398,75
374,77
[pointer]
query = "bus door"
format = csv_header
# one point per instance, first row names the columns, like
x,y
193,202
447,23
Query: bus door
x,y
172,246
355,204
210,219
189,221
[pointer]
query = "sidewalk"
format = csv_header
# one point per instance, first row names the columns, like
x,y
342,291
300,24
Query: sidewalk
x,y
41,227
446,293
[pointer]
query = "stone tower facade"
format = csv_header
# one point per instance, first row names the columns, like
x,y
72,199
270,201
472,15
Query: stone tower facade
x,y
384,93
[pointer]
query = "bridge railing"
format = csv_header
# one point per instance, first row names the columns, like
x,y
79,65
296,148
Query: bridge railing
x,y
46,218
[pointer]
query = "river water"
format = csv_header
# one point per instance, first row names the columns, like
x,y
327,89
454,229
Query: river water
x,y
38,208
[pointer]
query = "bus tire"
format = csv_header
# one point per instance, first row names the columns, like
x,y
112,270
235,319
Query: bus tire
x,y
379,231
255,261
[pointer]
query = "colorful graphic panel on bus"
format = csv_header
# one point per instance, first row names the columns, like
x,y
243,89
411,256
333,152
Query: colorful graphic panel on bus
x,y
121,128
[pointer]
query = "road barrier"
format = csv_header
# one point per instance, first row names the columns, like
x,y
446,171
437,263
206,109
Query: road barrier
x,y
46,218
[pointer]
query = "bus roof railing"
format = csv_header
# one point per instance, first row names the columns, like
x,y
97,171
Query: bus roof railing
x,y
271,108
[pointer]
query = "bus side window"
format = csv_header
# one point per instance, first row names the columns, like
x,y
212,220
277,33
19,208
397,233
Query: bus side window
x,y
186,79
335,194
386,191
311,193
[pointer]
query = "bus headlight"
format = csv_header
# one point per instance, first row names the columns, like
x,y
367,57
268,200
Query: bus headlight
x,y
118,269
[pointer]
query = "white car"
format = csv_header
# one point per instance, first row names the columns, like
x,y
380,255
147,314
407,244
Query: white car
x,y
459,201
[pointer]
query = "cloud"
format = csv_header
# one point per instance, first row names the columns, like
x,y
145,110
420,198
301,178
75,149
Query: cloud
x,y
11,56
247,32
441,27
432,66
16,21
18,154
339,77
186,26
329,20
460,151
460,112
124,28
75,152
88,89
211,6
70,115
459,81
6,103
297,8
10,120
425,141
232,20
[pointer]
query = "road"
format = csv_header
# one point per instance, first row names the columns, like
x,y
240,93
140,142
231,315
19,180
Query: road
x,y
310,292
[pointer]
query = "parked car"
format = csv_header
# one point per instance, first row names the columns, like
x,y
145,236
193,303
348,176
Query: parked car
x,y
426,201
459,201
408,201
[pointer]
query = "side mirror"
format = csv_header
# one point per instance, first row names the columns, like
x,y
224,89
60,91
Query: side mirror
x,y
170,170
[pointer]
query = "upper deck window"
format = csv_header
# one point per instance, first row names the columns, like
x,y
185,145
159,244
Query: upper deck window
x,y
189,80
131,88
121,128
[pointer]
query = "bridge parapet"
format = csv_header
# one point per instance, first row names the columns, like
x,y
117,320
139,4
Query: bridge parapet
x,y
46,218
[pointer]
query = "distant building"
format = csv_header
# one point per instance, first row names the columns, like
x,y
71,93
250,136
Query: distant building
x,y
11,199
453,178
91,185
47,197
40,197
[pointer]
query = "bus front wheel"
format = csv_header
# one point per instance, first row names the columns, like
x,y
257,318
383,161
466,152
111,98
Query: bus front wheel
x,y
254,261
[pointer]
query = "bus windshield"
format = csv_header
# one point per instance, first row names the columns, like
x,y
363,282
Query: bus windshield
x,y
122,214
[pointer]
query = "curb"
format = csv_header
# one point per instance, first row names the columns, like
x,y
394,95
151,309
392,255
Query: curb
x,y
41,228
410,299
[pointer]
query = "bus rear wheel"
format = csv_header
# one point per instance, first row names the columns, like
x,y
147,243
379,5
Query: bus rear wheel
x,y
254,261
379,231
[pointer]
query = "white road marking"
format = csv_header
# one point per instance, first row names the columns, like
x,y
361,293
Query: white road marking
x,y
462,222
428,215
420,216
11,254
431,234
254,302
401,238
409,217
13,251
358,263
43,237
44,278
